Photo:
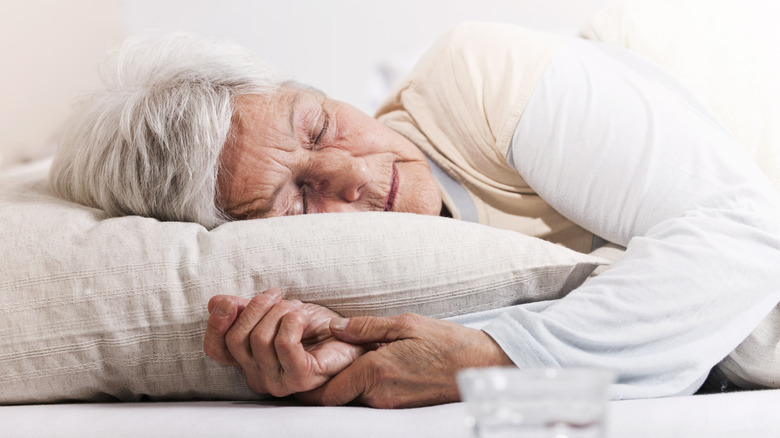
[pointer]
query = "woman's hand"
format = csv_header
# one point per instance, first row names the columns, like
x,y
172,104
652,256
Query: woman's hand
x,y
281,346
416,366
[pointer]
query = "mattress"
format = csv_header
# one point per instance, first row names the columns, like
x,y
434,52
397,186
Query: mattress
x,y
737,414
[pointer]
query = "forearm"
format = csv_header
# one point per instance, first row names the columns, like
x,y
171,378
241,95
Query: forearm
x,y
660,322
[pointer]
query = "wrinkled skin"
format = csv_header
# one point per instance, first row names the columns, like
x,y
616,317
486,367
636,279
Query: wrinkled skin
x,y
287,347
282,347
300,152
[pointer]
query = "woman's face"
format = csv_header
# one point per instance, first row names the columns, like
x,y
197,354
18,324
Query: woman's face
x,y
299,152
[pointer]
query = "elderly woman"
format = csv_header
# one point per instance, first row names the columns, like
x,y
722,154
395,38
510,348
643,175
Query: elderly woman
x,y
563,139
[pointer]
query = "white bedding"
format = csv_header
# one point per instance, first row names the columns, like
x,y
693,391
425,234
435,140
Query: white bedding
x,y
738,415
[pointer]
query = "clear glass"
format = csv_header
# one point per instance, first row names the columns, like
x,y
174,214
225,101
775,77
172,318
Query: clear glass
x,y
549,403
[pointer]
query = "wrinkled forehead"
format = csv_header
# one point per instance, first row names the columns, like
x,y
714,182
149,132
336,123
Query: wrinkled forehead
x,y
257,121
265,119
253,113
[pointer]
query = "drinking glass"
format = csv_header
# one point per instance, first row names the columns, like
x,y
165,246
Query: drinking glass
x,y
538,403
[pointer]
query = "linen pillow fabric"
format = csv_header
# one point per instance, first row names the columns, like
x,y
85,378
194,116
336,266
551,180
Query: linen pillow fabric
x,y
97,308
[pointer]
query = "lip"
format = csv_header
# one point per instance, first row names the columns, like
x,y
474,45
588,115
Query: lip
x,y
393,190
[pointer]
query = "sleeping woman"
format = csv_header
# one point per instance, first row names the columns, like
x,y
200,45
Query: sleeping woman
x,y
571,141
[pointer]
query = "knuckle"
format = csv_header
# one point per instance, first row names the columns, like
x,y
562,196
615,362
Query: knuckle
x,y
408,319
406,322
290,306
383,374
257,341
264,384
256,384
296,317
233,340
259,302
278,390
283,344
363,325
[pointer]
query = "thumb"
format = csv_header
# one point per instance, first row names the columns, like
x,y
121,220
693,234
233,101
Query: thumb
x,y
372,329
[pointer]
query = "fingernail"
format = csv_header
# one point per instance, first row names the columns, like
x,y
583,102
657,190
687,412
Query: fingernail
x,y
225,308
339,324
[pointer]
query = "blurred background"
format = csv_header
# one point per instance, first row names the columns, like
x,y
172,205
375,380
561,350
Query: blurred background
x,y
354,50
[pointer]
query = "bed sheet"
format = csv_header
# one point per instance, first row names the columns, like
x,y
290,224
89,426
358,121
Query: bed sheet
x,y
738,415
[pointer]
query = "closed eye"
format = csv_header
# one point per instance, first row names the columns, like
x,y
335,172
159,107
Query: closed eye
x,y
305,208
298,204
325,123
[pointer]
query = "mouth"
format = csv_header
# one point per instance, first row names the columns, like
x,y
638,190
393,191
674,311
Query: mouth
x,y
393,190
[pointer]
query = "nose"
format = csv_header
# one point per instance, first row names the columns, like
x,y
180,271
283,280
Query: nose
x,y
342,179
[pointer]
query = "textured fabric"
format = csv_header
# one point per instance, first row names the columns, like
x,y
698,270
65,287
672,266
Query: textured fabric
x,y
96,308
700,221
461,104
726,54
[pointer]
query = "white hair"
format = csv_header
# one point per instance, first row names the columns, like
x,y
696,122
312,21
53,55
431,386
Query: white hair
x,y
149,142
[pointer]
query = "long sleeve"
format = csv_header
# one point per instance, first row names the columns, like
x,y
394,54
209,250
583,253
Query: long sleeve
x,y
612,143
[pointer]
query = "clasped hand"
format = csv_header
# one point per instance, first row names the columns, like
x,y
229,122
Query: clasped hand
x,y
281,346
287,347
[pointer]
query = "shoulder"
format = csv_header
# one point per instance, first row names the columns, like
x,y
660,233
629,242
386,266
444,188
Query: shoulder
x,y
465,96
479,45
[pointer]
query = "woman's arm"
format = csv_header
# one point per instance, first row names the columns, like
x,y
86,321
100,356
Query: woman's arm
x,y
614,144
618,147
415,365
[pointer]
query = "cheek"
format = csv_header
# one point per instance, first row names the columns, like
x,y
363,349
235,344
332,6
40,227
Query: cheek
x,y
369,136
430,201
423,196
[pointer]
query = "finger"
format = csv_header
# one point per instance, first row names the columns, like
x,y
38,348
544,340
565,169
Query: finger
x,y
222,314
218,324
262,345
237,337
293,358
344,387
240,302
369,329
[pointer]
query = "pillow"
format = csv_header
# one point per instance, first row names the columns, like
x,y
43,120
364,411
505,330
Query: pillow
x,y
97,308
726,53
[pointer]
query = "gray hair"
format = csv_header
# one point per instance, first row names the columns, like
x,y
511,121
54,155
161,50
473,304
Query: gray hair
x,y
149,142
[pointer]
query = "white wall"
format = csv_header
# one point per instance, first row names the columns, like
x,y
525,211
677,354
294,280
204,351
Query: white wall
x,y
337,45
347,48
48,51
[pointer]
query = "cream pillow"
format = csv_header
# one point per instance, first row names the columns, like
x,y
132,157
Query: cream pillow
x,y
726,52
96,308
